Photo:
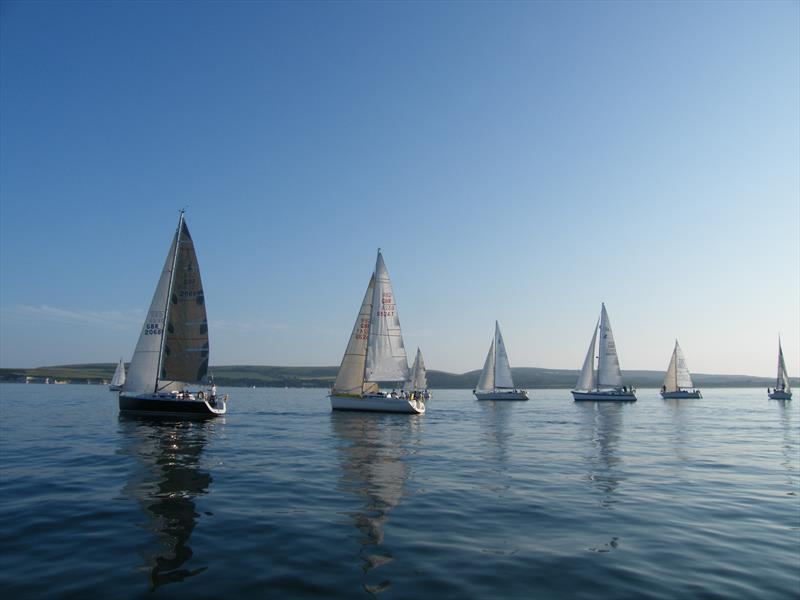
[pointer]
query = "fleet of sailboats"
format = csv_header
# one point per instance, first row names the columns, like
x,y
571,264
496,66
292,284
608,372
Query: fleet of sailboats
x,y
173,349
678,381
496,382
118,380
605,382
375,354
782,389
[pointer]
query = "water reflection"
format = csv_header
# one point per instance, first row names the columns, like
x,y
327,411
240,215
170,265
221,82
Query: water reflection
x,y
789,443
680,428
495,420
601,423
165,486
371,450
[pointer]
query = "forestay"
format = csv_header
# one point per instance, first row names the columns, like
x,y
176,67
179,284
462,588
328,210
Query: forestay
x,y
350,379
386,354
608,371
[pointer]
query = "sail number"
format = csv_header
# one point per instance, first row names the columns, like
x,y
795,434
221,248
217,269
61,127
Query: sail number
x,y
363,329
387,306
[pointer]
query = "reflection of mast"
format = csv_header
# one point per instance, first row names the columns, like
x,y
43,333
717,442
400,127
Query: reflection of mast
x,y
165,488
604,420
371,449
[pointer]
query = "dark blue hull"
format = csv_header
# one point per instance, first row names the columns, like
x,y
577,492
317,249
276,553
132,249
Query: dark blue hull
x,y
168,407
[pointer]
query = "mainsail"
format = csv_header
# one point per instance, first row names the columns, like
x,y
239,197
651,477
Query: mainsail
x,y
119,374
418,379
502,370
608,371
678,376
783,378
586,380
386,354
350,379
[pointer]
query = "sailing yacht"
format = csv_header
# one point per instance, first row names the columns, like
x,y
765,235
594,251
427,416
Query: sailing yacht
x,y
782,390
495,382
118,380
172,351
418,380
678,381
375,354
605,383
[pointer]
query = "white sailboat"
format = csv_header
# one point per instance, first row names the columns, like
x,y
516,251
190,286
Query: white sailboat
x,y
418,380
173,346
782,389
375,354
605,383
496,382
118,380
678,381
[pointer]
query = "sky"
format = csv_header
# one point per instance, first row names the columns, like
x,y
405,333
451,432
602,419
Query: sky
x,y
519,162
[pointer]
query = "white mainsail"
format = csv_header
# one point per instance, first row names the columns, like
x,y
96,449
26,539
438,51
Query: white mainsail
x,y
586,380
119,374
608,371
418,380
350,379
386,354
678,376
144,367
783,377
502,369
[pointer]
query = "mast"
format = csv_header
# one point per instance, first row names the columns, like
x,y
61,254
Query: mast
x,y
169,301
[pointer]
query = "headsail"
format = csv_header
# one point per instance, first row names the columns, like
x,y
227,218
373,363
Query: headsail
x,y
143,370
418,380
119,374
587,380
502,369
486,382
386,354
608,371
185,355
350,379
783,377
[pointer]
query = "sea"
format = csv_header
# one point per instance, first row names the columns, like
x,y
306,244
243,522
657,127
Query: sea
x,y
282,498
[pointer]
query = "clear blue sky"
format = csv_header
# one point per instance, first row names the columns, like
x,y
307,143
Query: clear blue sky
x,y
515,161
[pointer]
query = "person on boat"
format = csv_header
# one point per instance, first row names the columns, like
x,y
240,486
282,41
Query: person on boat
x,y
213,392
663,388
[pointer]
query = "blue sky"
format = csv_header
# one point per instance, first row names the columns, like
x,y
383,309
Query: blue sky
x,y
515,161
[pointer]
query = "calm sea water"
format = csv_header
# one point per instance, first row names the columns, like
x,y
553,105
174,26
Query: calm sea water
x,y
282,498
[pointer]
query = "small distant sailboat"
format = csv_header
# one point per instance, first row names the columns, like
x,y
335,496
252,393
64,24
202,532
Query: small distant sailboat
x,y
173,346
678,381
118,380
606,382
496,382
782,390
375,354
418,380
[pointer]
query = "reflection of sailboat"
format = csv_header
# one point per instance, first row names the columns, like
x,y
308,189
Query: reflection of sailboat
x,y
782,390
166,485
371,450
604,424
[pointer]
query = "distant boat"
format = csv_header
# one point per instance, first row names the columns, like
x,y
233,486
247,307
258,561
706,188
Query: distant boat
x,y
418,380
119,377
606,382
495,382
678,381
375,354
782,390
173,346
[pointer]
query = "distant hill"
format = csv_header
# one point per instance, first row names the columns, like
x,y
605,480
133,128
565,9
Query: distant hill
x,y
270,376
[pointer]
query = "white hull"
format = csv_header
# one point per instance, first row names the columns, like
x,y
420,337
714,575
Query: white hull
x,y
604,395
377,404
501,395
780,395
681,394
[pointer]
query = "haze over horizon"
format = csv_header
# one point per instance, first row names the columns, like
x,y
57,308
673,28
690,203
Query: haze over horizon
x,y
515,161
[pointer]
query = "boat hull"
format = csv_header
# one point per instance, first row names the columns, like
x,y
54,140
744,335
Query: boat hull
x,y
115,388
604,396
681,394
501,395
164,405
780,395
377,404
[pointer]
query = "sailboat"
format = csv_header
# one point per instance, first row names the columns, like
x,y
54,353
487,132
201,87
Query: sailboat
x,y
782,390
418,380
605,383
118,379
173,346
678,381
375,354
495,382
